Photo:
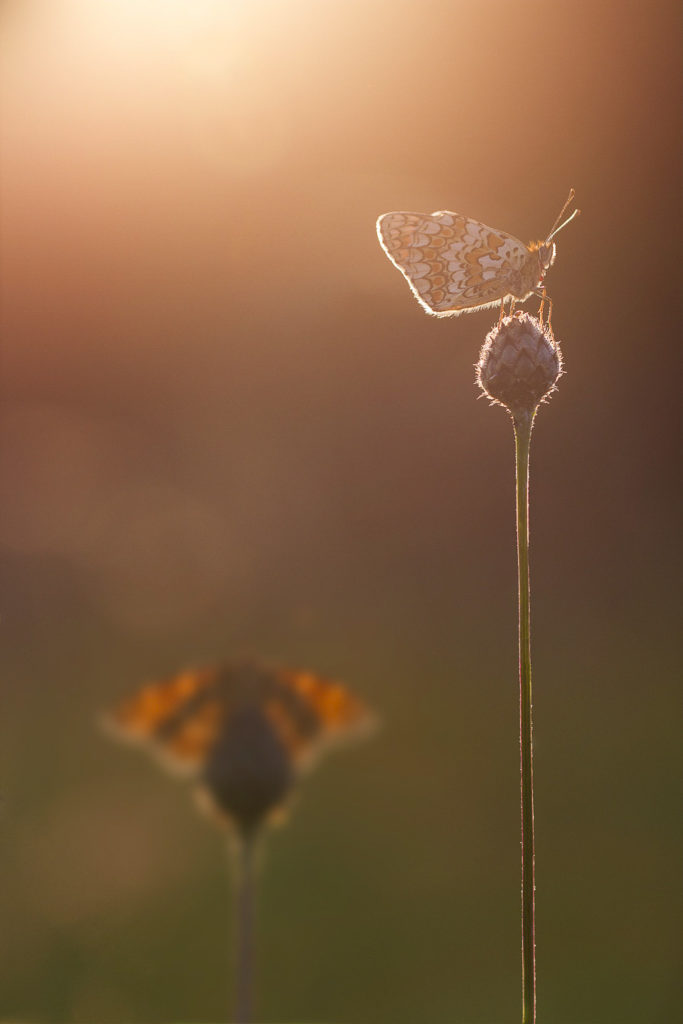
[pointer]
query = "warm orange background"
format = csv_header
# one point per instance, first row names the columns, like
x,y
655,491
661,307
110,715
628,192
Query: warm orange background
x,y
227,426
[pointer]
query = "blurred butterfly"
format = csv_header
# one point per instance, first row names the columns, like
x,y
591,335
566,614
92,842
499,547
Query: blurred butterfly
x,y
455,264
243,731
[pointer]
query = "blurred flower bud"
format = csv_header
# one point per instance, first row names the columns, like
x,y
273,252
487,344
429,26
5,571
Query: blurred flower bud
x,y
248,772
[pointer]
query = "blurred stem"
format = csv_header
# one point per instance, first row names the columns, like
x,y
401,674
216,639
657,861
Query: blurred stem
x,y
522,424
244,929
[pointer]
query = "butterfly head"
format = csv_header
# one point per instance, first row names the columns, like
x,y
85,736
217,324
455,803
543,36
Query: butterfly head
x,y
546,250
546,256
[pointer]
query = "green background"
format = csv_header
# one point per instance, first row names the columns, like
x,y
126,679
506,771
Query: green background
x,y
228,427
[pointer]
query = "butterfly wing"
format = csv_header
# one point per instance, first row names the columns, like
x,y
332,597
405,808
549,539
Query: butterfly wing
x,y
180,717
311,711
454,263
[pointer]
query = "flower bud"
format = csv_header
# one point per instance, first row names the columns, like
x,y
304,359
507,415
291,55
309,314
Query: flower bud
x,y
519,364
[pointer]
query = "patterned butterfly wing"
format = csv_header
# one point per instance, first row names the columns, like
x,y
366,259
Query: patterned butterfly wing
x,y
183,718
312,711
180,717
455,264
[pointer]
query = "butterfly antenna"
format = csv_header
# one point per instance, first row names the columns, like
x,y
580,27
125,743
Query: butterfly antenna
x,y
557,226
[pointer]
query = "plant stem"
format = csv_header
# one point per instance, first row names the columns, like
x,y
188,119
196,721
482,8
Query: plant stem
x,y
244,930
522,425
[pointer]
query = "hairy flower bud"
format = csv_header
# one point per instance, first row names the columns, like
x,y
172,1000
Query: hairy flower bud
x,y
519,364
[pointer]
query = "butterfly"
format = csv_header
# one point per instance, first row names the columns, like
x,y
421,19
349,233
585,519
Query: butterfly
x,y
244,731
455,264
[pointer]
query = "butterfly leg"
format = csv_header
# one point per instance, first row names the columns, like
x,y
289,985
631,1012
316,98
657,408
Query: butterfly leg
x,y
541,307
502,309
550,312
545,298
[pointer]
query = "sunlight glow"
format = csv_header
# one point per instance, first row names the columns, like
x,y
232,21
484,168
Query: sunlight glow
x,y
162,20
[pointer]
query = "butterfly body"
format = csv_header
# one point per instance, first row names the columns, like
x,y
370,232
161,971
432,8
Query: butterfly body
x,y
455,264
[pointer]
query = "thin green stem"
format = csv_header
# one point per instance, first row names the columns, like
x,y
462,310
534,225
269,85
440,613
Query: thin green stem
x,y
523,423
244,930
